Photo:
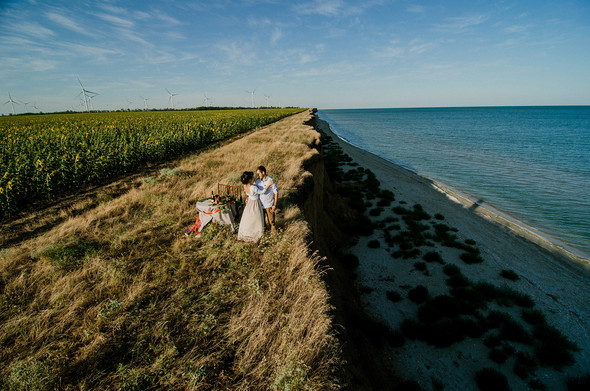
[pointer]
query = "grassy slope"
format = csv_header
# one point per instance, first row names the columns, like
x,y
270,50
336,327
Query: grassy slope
x,y
113,296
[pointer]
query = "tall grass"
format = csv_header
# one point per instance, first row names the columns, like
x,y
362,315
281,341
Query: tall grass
x,y
114,296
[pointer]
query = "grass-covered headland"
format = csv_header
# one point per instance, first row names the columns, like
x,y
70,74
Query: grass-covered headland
x,y
104,291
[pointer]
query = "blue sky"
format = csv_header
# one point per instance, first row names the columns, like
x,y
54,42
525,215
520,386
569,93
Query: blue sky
x,y
320,53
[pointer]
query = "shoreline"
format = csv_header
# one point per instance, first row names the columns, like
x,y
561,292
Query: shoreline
x,y
543,240
557,283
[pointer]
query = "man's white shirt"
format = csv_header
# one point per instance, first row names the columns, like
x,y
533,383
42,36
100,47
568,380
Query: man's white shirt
x,y
267,198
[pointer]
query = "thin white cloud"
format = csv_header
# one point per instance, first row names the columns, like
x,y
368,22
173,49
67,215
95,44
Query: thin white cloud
x,y
306,58
419,49
98,53
418,9
257,22
31,64
113,9
338,69
116,20
68,23
460,23
33,29
142,15
167,18
321,7
130,35
389,52
238,53
515,29
277,34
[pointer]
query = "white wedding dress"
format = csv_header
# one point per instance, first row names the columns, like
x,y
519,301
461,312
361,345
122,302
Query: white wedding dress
x,y
252,222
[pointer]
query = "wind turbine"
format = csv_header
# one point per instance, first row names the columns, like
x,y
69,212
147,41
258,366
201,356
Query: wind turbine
x,y
129,105
171,97
206,100
252,93
144,102
86,94
267,98
90,100
12,102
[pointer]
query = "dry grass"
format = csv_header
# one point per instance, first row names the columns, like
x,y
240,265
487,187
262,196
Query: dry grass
x,y
115,297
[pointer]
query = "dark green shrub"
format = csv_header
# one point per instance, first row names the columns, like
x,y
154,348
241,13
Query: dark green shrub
x,y
387,195
376,212
420,266
470,242
374,244
383,203
468,298
362,227
517,298
489,379
498,355
496,319
509,275
553,348
492,341
418,294
536,384
439,307
534,317
407,254
451,270
513,331
442,333
354,175
393,296
524,365
433,256
438,216
400,210
411,328
419,213
458,281
471,258
487,290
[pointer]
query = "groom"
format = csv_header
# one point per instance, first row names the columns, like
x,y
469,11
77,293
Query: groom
x,y
270,197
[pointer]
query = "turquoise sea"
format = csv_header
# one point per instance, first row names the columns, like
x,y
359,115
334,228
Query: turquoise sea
x,y
531,163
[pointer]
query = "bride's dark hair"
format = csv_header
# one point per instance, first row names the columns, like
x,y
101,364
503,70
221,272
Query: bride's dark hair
x,y
247,177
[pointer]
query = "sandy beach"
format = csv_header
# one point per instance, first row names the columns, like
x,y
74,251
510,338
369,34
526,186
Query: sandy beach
x,y
556,280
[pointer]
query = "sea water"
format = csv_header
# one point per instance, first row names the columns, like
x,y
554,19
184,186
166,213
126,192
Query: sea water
x,y
531,163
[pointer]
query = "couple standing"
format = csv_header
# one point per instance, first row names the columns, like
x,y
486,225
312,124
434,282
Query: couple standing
x,y
263,194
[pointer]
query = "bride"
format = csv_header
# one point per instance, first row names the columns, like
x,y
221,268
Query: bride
x,y
252,222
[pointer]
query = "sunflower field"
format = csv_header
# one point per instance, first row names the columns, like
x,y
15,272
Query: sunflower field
x,y
42,156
